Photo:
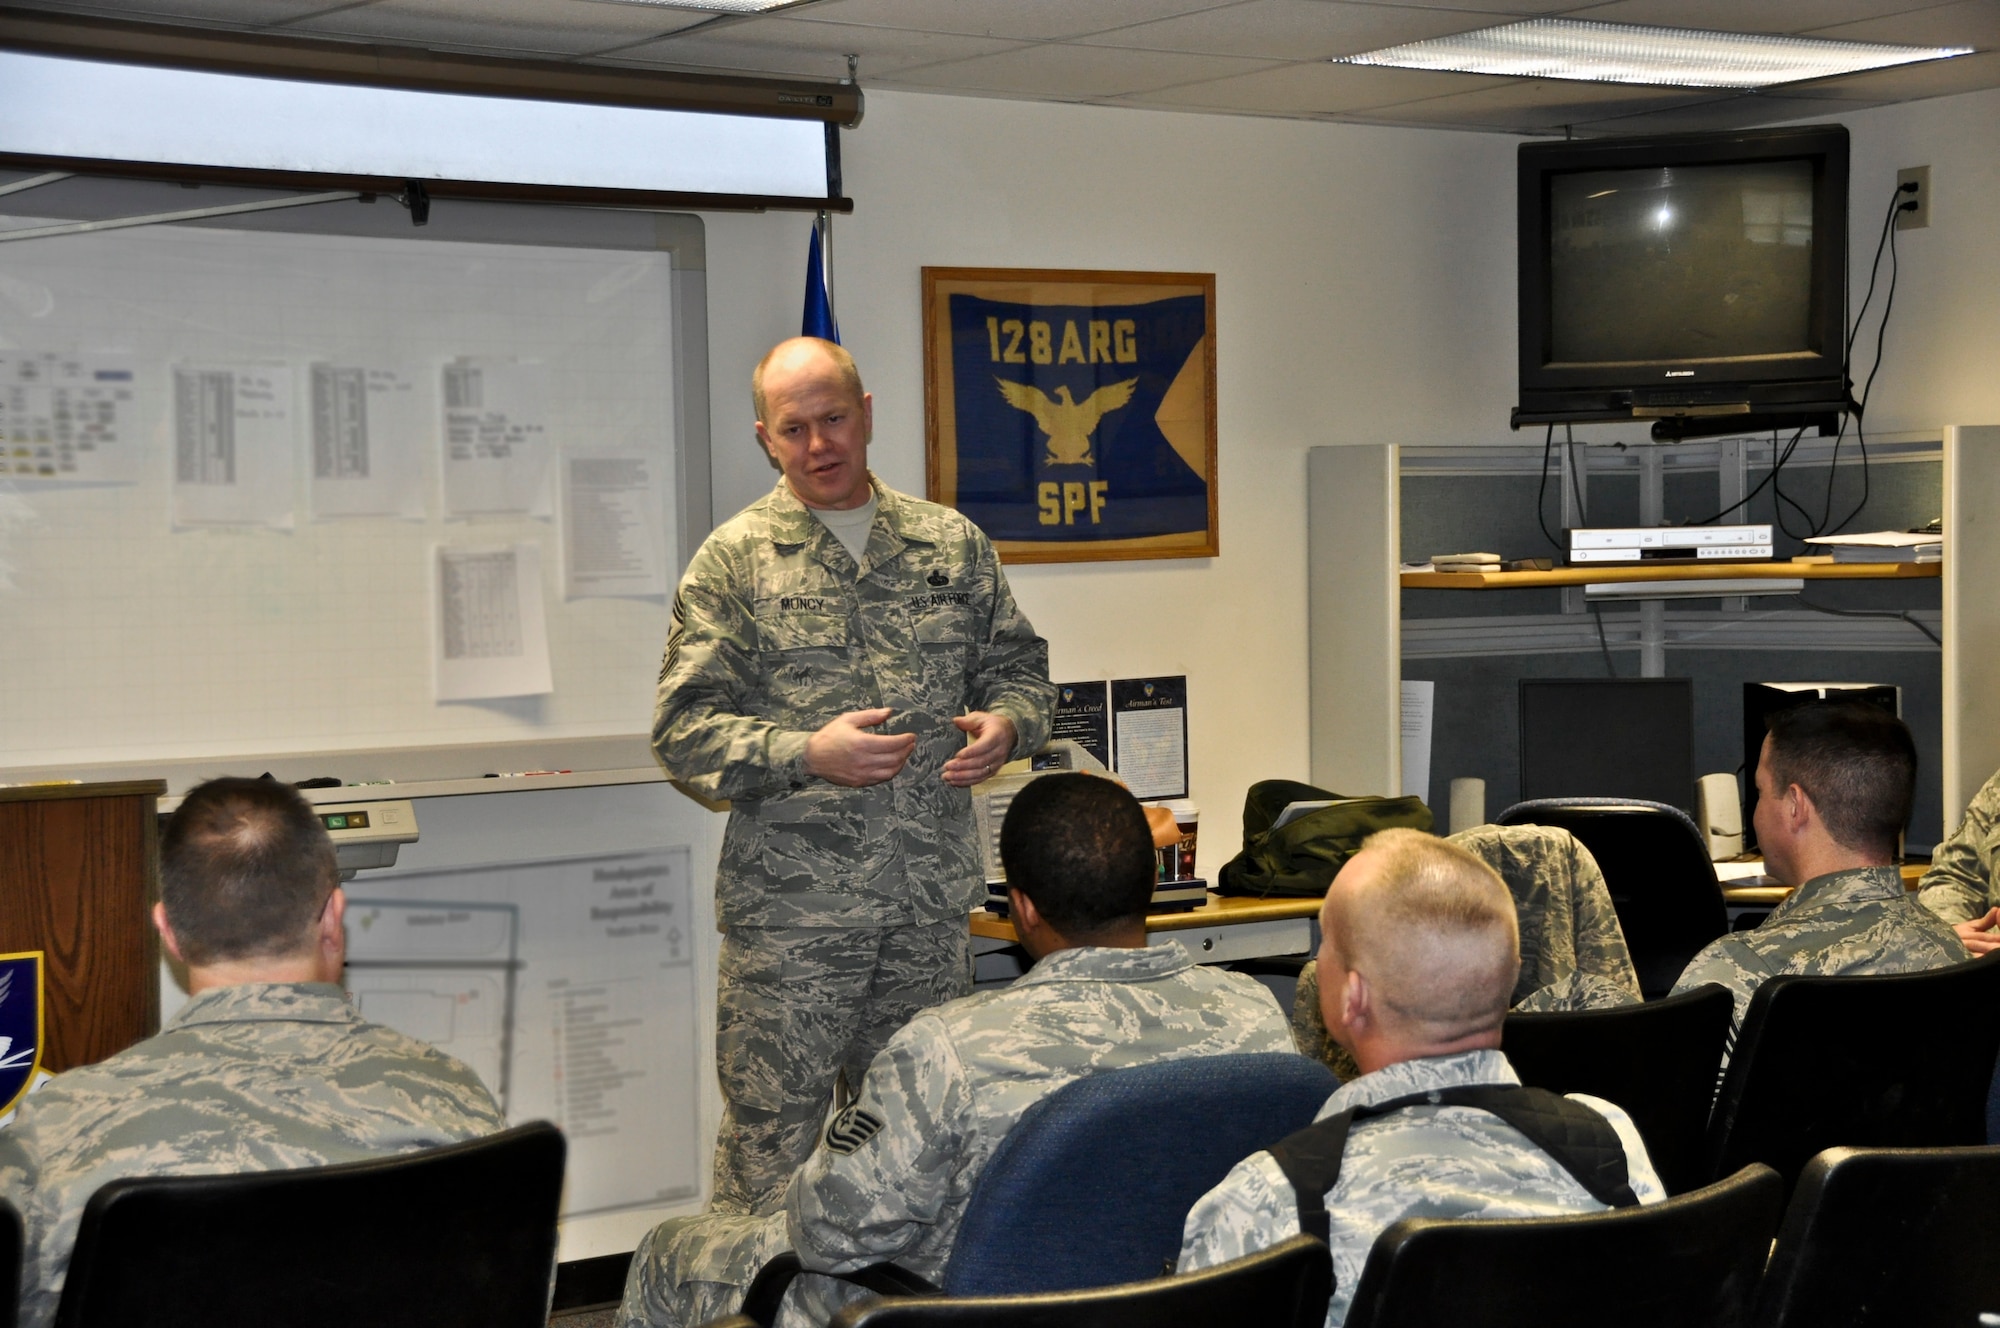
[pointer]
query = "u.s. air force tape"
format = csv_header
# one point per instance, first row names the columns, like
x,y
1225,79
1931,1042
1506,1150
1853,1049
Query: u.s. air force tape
x,y
850,1129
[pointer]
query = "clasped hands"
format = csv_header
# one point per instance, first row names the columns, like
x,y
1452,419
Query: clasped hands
x,y
846,753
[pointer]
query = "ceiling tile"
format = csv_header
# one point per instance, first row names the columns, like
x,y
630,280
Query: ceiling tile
x,y
1076,73
1496,11
1736,111
1290,29
203,13
1019,20
539,27
1314,89
1935,78
717,55
882,50
1738,16
1967,23
1533,106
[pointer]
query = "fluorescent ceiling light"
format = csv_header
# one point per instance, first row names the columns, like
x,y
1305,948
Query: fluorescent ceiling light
x,y
67,109
1631,53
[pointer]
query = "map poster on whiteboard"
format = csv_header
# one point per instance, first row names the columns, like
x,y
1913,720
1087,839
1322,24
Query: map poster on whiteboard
x,y
234,453
569,988
492,636
367,459
496,438
1149,735
67,418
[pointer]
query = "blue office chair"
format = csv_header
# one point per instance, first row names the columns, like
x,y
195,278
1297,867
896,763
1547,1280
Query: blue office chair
x,y
1093,1184
1656,865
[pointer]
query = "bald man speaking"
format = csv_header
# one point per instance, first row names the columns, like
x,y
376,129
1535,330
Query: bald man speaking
x,y
1419,955
845,662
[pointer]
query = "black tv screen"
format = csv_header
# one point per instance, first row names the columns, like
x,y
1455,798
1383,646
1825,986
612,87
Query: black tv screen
x,y
1684,277
1608,738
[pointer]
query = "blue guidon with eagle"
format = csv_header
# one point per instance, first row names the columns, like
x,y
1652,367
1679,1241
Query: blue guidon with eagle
x,y
20,1025
1058,418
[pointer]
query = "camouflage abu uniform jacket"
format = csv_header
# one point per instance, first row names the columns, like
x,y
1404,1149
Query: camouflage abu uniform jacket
x,y
1418,1162
258,1077
891,1177
1845,922
774,635
1959,885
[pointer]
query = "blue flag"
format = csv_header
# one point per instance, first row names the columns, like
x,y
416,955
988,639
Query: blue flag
x,y
818,320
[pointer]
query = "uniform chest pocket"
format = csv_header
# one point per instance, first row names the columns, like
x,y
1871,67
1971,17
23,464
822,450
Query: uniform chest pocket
x,y
781,629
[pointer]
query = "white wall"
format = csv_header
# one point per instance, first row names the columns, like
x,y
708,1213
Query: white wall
x,y
1365,293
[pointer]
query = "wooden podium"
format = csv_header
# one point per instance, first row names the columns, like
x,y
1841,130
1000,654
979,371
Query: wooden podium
x,y
79,871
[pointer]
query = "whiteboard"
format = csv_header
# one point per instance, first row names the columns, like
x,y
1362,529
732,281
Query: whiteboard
x,y
123,638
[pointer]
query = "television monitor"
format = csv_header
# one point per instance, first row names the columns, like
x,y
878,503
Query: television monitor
x,y
1608,738
1698,280
1763,699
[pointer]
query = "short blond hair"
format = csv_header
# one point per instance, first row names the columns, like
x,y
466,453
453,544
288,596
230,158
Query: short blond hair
x,y
1433,929
843,364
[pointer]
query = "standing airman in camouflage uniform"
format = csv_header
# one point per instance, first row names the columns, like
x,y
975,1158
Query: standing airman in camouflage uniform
x,y
1420,954
834,646
1959,886
268,1067
1834,786
893,1172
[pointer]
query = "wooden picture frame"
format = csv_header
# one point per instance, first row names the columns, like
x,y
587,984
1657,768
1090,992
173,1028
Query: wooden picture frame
x,y
1071,415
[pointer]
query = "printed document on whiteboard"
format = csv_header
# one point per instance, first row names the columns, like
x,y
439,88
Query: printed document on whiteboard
x,y
67,418
614,526
233,445
496,438
492,639
1419,707
367,459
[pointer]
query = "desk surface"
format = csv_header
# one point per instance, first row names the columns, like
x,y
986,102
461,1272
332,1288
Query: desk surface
x,y
1219,911
1716,571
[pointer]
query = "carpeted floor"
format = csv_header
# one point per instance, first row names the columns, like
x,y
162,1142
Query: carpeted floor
x,y
596,1318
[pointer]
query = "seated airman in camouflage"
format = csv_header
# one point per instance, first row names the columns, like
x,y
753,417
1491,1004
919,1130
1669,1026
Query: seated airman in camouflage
x,y
266,1067
891,1175
1961,887
1835,782
1419,955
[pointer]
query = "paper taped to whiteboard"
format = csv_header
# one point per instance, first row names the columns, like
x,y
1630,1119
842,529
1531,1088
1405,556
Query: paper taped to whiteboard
x,y
67,418
614,526
234,462
496,438
492,638
367,457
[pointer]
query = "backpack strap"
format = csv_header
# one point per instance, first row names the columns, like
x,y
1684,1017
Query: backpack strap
x,y
1579,1140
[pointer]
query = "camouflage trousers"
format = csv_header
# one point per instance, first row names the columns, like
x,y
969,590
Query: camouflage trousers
x,y
797,1006
691,1270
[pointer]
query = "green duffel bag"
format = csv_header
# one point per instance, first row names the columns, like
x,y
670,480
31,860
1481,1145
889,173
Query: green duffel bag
x,y
1300,859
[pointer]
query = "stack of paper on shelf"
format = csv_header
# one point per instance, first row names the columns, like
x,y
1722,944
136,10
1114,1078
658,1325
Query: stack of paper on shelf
x,y
1882,546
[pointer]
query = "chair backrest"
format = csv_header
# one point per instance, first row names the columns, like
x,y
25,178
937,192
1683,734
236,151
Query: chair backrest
x,y
1655,864
1658,1061
1887,1236
1093,1184
1286,1286
1694,1259
462,1236
1890,1061
10,1264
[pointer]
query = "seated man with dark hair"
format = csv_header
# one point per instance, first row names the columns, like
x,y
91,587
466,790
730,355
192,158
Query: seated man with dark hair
x,y
893,1171
1835,782
267,1067
1419,954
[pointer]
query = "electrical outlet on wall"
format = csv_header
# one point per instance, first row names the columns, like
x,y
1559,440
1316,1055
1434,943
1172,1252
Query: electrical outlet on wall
x,y
1918,217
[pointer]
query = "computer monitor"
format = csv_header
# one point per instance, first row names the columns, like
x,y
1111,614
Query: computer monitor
x,y
1761,700
1608,738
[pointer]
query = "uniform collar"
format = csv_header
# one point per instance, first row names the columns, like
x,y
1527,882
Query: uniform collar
x,y
793,525
1094,963
1421,1076
1856,885
248,1002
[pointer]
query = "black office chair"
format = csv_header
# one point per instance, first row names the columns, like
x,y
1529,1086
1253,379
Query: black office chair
x,y
1093,1184
457,1237
1286,1286
1694,1259
10,1264
1894,1061
1877,1237
1656,865
1658,1061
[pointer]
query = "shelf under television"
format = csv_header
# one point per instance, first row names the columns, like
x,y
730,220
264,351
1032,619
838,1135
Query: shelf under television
x,y
1810,570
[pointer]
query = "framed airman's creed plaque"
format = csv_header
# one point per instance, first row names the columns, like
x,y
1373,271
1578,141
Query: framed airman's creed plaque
x,y
1071,415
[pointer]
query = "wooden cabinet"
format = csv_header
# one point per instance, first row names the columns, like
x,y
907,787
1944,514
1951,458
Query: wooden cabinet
x,y
79,871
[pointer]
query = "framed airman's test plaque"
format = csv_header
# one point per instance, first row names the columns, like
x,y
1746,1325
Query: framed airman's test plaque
x,y
1071,415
